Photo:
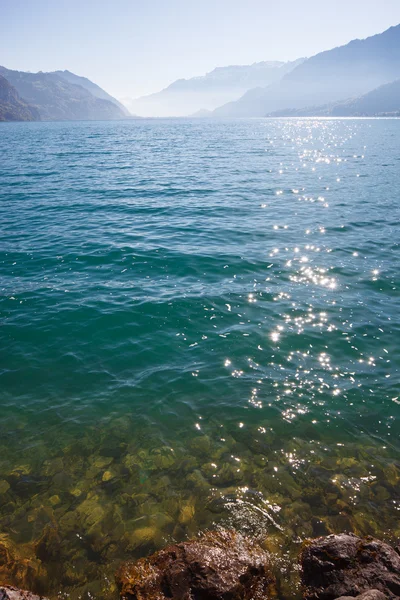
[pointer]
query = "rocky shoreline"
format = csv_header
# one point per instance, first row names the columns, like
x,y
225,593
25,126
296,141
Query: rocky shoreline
x,y
225,565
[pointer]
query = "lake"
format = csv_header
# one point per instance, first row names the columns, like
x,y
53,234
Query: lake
x,y
200,326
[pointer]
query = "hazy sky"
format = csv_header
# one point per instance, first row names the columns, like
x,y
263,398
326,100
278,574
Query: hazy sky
x,y
133,47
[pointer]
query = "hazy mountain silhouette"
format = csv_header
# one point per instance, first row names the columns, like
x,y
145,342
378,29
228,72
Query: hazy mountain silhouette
x,y
12,107
93,88
348,71
55,98
186,96
384,100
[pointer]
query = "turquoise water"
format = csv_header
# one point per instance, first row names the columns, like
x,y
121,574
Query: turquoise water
x,y
200,325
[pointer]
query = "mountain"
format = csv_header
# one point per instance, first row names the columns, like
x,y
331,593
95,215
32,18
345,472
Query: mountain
x,y
345,72
203,113
93,88
384,100
57,99
12,107
186,96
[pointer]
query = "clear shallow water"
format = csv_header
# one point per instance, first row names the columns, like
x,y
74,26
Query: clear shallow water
x,y
200,326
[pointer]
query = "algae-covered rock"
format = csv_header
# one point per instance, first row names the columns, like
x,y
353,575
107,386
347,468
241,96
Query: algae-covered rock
x,y
143,537
381,493
107,476
200,446
131,464
364,525
280,482
137,499
4,486
161,458
20,470
197,481
161,486
102,461
51,467
391,474
186,513
218,565
54,500
161,521
347,565
297,510
62,481
90,511
224,475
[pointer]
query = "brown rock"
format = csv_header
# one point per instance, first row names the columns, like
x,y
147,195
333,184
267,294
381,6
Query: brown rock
x,y
220,565
370,595
7,592
19,565
346,565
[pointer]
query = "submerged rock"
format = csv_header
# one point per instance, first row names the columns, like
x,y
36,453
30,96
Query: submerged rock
x,y
4,486
220,565
8,592
346,565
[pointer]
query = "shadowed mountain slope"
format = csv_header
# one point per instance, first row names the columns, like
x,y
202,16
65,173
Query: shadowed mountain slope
x,y
92,87
12,107
57,99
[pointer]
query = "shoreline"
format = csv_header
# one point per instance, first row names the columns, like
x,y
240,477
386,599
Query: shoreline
x,y
225,565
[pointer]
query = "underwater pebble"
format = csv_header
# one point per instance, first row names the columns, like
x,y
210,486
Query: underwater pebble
x,y
4,486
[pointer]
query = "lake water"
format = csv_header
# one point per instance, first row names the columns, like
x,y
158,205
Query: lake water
x,y
200,326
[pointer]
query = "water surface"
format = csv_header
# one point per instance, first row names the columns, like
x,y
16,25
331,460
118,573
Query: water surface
x,y
200,326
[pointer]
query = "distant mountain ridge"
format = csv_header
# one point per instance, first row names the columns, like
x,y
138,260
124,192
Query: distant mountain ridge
x,y
360,78
331,76
186,96
236,76
55,98
384,100
12,107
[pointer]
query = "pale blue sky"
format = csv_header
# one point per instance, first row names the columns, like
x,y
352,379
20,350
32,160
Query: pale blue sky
x,y
132,47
